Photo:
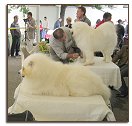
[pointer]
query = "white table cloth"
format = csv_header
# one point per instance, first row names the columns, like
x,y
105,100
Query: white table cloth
x,y
49,108
109,72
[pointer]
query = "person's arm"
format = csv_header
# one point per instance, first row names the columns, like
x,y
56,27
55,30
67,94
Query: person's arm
x,y
61,54
73,56
118,55
32,25
88,22
59,51
12,30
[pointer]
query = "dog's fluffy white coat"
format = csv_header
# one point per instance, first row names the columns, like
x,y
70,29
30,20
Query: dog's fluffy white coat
x,y
43,76
89,40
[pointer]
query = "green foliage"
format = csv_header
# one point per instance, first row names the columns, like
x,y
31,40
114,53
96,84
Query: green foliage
x,y
43,47
71,60
22,8
98,6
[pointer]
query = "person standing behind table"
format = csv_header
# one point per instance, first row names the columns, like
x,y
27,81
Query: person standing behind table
x,y
68,20
81,11
41,30
126,35
58,23
30,31
45,26
16,34
98,20
120,30
121,59
106,17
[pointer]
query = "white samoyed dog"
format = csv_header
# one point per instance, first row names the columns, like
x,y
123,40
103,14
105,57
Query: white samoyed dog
x,y
89,40
43,76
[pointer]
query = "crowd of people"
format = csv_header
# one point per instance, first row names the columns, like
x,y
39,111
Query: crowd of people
x,y
62,45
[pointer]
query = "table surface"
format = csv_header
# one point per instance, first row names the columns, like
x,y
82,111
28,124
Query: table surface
x,y
50,108
109,72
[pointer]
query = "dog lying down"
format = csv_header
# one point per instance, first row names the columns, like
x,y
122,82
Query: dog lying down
x,y
43,76
90,40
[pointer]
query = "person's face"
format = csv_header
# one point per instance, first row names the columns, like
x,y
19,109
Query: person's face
x,y
121,22
79,13
68,22
108,19
63,39
29,16
16,19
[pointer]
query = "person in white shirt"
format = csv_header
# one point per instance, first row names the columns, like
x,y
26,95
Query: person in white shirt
x,y
45,24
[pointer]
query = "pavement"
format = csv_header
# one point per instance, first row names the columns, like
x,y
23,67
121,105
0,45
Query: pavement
x,y
120,106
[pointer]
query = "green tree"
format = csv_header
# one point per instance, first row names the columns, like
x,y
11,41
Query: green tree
x,y
22,8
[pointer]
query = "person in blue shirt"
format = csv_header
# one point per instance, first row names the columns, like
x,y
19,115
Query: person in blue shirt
x,y
58,23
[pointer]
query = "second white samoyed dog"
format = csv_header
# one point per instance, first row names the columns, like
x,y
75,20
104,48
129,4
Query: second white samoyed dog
x,y
43,76
89,40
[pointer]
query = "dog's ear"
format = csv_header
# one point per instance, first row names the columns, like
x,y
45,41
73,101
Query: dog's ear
x,y
31,63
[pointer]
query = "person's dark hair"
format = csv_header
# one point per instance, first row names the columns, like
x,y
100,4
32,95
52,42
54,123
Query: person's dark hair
x,y
106,15
15,16
83,9
98,21
29,13
45,17
119,21
58,33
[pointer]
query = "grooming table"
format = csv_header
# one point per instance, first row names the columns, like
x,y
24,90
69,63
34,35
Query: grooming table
x,y
49,108
109,72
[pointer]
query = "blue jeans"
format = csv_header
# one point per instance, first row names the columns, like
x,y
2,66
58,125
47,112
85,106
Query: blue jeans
x,y
15,47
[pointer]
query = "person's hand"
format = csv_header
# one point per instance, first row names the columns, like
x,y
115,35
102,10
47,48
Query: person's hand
x,y
75,55
28,25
